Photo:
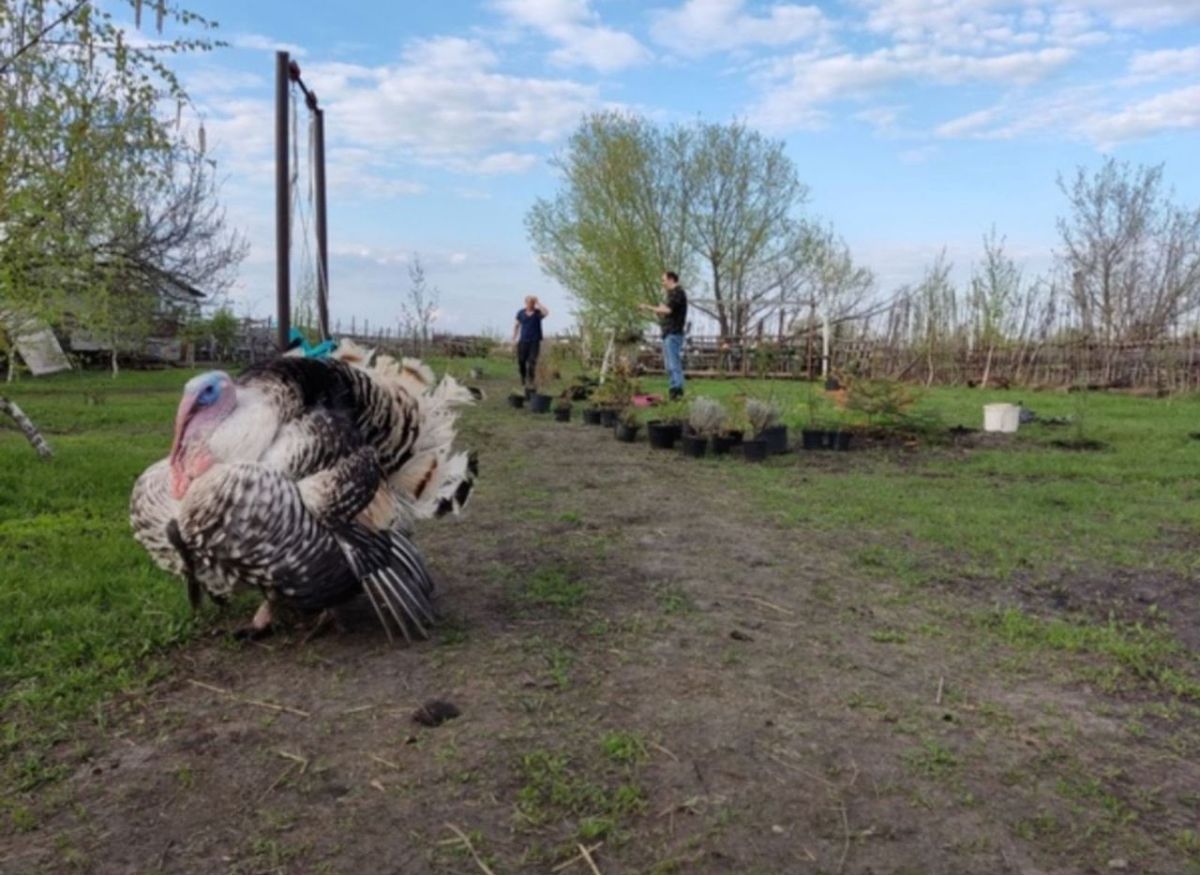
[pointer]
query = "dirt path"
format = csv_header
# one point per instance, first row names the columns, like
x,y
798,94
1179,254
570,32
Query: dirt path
x,y
648,668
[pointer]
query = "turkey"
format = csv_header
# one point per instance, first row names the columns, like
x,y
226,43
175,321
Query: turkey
x,y
302,477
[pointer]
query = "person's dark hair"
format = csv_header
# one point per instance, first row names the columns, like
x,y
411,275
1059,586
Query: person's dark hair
x,y
671,275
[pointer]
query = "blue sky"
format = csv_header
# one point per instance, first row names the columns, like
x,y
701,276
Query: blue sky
x,y
917,124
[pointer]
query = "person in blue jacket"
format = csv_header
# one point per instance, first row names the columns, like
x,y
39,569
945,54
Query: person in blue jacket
x,y
527,335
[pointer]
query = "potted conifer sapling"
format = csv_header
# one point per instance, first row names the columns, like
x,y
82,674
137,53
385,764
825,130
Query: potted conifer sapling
x,y
705,416
627,426
764,421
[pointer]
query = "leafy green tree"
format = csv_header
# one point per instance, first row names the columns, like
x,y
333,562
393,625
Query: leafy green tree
x,y
223,326
618,220
102,199
718,203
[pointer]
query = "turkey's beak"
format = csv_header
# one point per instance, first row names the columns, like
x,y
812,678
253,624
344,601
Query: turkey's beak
x,y
180,480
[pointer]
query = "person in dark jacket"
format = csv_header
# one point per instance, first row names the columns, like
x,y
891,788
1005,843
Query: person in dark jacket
x,y
672,316
527,335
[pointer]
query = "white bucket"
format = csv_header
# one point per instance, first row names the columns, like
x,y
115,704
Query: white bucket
x,y
1001,418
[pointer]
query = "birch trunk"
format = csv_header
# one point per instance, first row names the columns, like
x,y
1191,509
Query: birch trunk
x,y
26,426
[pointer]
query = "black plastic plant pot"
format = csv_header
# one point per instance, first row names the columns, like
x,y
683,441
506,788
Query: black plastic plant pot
x,y
735,436
628,434
695,446
722,444
841,440
516,400
663,435
540,404
776,438
609,417
754,450
563,415
812,439
591,416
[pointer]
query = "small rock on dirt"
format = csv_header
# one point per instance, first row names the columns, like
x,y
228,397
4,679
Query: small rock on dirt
x,y
436,712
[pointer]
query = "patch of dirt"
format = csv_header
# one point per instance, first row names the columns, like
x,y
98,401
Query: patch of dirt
x,y
646,667
1152,598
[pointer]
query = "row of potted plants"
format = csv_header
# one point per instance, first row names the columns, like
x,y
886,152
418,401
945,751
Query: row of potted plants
x,y
702,426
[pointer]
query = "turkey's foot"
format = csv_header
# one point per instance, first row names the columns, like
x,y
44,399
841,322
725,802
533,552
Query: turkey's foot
x,y
260,626
326,619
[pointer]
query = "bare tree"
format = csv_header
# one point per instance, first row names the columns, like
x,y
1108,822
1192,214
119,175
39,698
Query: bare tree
x,y
743,224
935,313
1132,254
994,296
419,310
821,280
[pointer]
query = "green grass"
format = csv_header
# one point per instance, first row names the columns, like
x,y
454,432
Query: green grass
x,y
552,587
558,786
1027,506
1147,655
87,615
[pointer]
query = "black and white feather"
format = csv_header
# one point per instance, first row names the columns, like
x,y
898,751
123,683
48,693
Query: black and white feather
x,y
302,478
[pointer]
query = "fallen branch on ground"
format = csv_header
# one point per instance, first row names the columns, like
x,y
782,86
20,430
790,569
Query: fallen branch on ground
x,y
466,841
262,704
26,425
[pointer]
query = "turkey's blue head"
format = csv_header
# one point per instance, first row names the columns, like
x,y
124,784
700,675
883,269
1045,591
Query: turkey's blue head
x,y
207,401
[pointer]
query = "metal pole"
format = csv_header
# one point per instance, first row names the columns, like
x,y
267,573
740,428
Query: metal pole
x,y
825,345
282,202
322,229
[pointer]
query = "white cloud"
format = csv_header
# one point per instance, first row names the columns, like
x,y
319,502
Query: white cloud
x,y
1146,14
980,25
703,26
1172,110
582,39
1094,114
445,103
1165,62
257,42
952,24
965,125
919,154
505,162
884,119
800,85
218,80
358,174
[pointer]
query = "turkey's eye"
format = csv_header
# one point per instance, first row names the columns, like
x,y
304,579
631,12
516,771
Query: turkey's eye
x,y
208,395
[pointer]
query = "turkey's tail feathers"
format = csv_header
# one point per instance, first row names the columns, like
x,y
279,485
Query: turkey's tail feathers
x,y
399,591
434,480
353,353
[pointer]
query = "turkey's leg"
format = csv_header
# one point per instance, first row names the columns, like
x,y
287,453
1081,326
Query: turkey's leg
x,y
327,618
261,625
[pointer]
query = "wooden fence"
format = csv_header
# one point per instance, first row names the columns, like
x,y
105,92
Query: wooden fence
x,y
1169,364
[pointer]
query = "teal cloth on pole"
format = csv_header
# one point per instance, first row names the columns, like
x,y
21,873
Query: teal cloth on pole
x,y
296,339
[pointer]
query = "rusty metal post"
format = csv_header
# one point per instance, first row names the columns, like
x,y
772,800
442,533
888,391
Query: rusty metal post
x,y
322,228
283,211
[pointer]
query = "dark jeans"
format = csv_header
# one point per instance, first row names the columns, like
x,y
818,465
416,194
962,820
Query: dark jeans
x,y
673,360
527,356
